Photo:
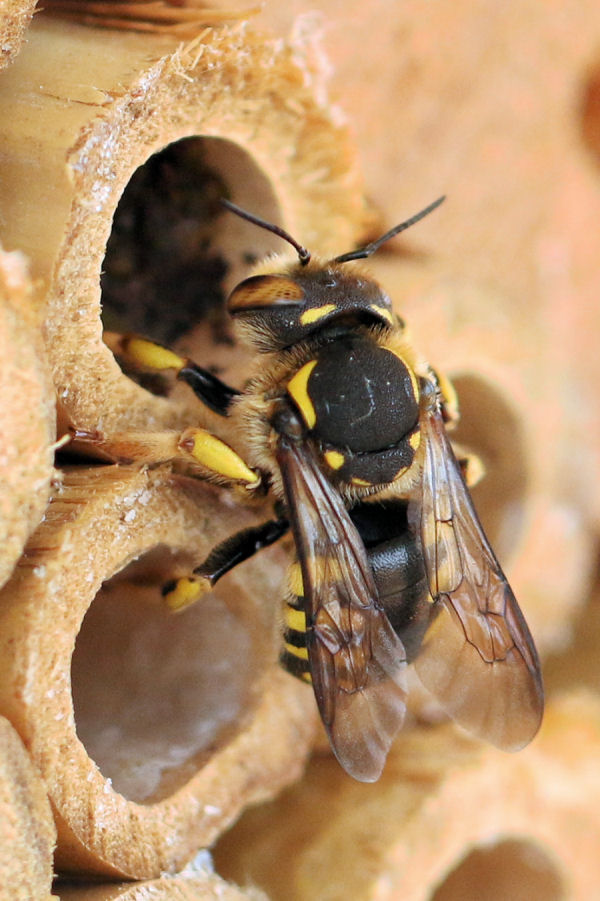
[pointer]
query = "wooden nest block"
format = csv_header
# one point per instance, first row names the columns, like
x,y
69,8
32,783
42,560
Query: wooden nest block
x,y
27,831
178,888
84,114
26,412
151,730
194,884
15,17
450,820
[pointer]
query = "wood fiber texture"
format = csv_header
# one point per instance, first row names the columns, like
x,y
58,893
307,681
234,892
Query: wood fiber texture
x,y
494,105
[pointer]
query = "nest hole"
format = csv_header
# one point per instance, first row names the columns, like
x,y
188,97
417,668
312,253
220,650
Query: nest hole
x,y
174,253
490,429
515,868
156,694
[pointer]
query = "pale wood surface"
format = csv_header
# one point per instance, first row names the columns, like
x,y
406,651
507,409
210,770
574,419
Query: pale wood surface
x,y
98,104
483,102
150,731
441,798
27,831
26,412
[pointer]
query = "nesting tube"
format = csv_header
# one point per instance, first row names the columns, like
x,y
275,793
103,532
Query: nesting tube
x,y
150,731
92,108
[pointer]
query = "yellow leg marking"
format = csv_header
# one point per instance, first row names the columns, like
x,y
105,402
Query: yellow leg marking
x,y
214,454
295,619
310,316
295,580
334,459
151,355
450,398
298,390
474,469
302,653
187,591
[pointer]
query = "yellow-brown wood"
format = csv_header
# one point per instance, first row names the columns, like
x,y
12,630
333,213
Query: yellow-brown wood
x,y
82,109
449,820
185,887
15,16
151,731
27,831
26,412
491,104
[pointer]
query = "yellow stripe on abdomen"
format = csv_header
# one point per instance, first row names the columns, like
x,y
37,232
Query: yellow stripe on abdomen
x,y
302,653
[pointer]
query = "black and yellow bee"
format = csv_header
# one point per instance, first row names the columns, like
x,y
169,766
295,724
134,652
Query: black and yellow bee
x,y
347,427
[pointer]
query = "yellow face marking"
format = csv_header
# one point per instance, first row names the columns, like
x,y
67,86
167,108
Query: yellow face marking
x,y
298,390
362,482
295,580
310,316
334,459
302,653
186,591
382,311
214,454
153,356
295,619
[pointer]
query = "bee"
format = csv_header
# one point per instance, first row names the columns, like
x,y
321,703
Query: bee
x,y
347,428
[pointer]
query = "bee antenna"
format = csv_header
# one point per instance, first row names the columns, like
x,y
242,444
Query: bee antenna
x,y
303,253
369,249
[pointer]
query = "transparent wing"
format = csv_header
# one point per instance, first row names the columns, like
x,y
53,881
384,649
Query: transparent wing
x,y
478,656
357,661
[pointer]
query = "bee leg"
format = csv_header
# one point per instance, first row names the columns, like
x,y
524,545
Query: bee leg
x,y
193,446
180,593
141,352
471,465
202,447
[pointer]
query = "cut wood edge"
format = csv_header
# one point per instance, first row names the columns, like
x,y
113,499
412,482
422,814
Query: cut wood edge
x,y
140,762
27,412
198,882
441,799
111,100
27,831
15,17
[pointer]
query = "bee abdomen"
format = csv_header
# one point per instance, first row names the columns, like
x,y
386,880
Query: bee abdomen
x,y
294,654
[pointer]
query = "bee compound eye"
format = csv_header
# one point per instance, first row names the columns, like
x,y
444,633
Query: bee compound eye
x,y
260,292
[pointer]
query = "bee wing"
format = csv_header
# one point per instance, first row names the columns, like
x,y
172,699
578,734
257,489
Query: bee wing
x,y
478,656
357,661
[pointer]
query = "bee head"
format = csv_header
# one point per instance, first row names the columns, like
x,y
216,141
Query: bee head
x,y
280,308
